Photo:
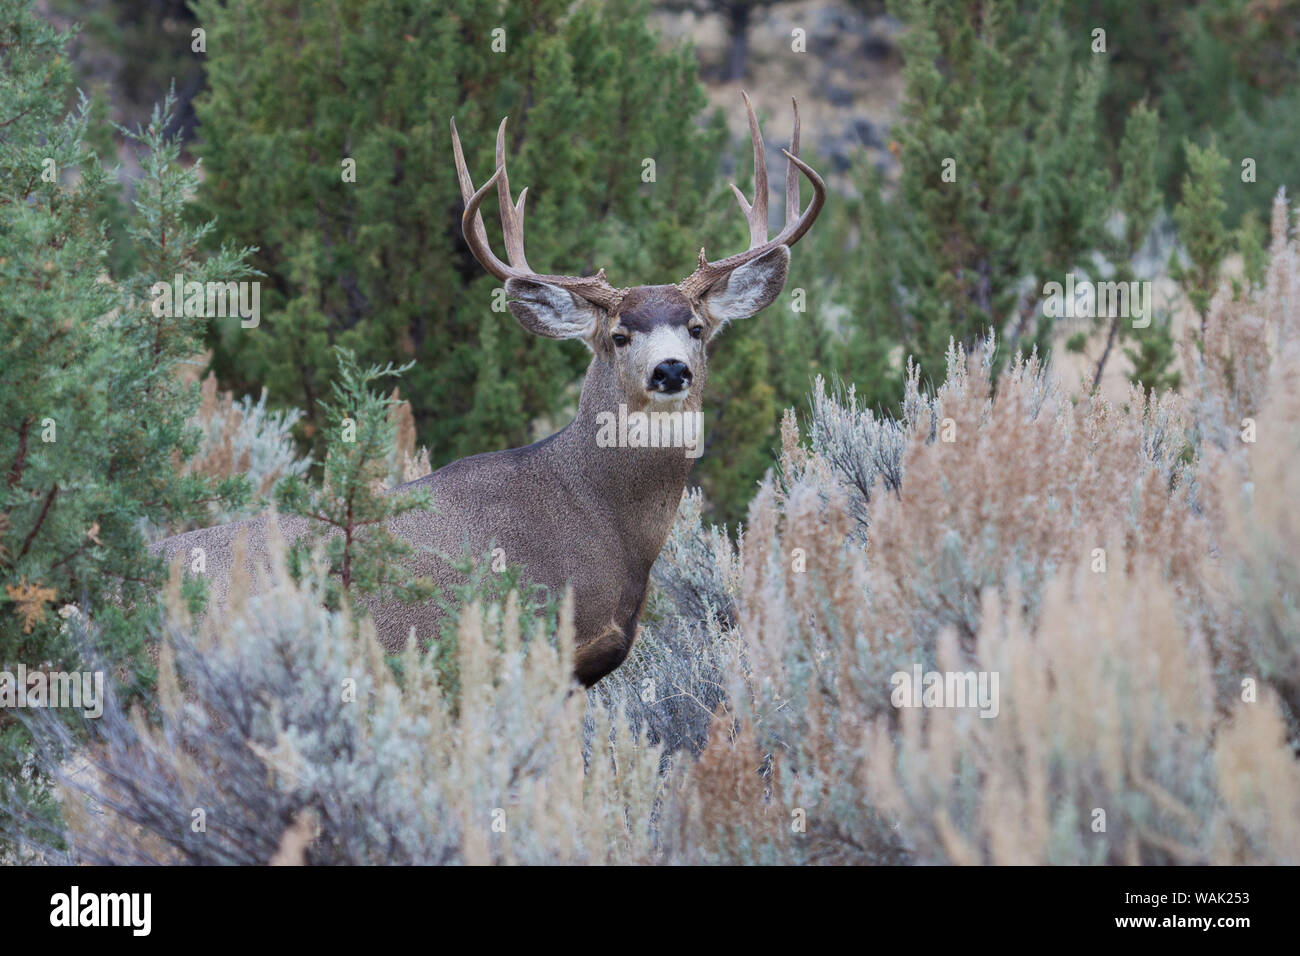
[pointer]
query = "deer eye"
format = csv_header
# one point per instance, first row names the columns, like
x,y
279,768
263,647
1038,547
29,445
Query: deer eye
x,y
696,331
620,339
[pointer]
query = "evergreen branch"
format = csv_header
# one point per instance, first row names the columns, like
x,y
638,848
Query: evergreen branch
x,y
20,462
31,535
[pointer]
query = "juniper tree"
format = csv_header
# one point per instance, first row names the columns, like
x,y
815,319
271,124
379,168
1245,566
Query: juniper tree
x,y
735,461
1201,229
1205,236
349,510
1223,69
93,422
1000,181
1137,198
1250,239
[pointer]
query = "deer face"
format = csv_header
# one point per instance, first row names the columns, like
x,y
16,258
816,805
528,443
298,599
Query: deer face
x,y
656,344
656,336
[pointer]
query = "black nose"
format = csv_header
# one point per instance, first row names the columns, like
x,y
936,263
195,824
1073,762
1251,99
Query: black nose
x,y
670,376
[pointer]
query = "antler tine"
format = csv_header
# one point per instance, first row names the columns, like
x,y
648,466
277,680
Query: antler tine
x,y
595,289
791,175
512,217
796,226
757,213
795,231
475,233
472,224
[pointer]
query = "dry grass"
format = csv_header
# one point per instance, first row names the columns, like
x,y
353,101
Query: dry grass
x,y
283,728
1125,690
406,464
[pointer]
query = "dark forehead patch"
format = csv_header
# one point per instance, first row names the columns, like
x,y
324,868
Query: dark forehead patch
x,y
648,306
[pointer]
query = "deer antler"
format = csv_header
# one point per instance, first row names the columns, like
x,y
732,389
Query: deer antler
x,y
796,223
595,289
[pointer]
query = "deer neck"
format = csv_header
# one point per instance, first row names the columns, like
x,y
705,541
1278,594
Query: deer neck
x,y
637,488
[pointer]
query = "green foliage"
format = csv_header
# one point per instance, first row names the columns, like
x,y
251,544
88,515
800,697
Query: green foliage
x,y
1152,353
1150,350
1228,69
1250,239
741,420
1201,228
94,419
349,511
1138,195
126,54
1000,181
165,246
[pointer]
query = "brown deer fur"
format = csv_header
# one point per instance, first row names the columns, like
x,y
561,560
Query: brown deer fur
x,y
572,513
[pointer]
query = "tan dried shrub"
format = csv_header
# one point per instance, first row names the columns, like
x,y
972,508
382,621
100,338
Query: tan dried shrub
x,y
1129,572
279,712
405,464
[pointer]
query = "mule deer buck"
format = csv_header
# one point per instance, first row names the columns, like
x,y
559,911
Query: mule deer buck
x,y
574,509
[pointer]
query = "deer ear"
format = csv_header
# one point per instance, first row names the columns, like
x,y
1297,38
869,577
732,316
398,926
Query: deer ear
x,y
748,289
549,310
